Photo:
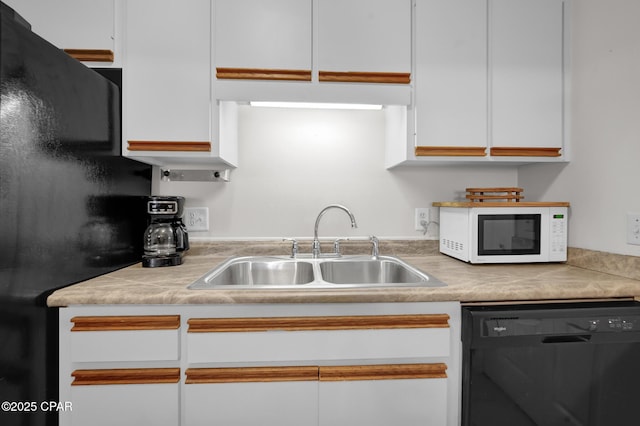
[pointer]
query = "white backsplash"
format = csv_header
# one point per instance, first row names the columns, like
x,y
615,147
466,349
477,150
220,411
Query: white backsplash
x,y
293,163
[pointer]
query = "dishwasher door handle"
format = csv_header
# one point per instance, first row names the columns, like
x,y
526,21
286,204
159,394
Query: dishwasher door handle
x,y
577,338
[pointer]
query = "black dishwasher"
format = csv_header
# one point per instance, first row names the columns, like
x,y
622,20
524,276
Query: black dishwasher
x,y
553,364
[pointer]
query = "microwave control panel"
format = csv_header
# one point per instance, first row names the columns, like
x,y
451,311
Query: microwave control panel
x,y
558,232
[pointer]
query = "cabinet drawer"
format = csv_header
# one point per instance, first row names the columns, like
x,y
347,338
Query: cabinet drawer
x,y
317,338
125,338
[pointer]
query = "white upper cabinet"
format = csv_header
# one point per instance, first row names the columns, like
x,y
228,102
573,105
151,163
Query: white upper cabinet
x,y
169,117
88,29
263,34
313,50
489,82
167,70
451,75
364,35
526,60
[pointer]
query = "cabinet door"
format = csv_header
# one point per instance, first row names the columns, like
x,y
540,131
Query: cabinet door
x,y
526,57
283,396
125,405
263,34
451,77
78,25
167,77
383,395
364,36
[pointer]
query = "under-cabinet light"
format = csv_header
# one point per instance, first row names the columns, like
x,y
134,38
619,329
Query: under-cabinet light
x,y
317,105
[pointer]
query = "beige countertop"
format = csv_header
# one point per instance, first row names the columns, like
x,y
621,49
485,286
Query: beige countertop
x,y
465,283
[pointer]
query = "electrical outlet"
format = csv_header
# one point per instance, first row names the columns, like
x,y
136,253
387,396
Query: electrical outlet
x,y
633,228
196,218
421,218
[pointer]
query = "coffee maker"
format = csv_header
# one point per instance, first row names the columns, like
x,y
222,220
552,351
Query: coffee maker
x,y
165,239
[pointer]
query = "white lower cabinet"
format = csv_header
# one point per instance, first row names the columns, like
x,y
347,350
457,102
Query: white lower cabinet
x,y
120,366
125,405
237,402
379,394
262,364
383,402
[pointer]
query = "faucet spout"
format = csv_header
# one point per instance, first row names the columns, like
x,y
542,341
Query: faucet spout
x,y
316,241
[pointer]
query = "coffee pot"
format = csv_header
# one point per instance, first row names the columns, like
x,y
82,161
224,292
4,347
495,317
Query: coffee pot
x,y
166,238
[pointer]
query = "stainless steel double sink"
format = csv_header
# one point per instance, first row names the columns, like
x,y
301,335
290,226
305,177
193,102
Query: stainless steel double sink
x,y
281,272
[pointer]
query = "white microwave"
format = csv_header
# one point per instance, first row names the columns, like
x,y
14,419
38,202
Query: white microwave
x,y
504,234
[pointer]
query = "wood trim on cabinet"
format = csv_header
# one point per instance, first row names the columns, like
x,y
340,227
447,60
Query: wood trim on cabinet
x,y
383,372
208,325
251,374
498,151
262,74
91,55
112,323
315,373
125,376
450,151
191,146
365,77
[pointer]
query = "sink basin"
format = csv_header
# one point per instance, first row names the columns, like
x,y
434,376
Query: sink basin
x,y
371,271
253,272
281,272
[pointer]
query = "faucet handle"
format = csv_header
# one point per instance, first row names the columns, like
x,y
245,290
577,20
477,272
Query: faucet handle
x,y
336,245
294,246
375,246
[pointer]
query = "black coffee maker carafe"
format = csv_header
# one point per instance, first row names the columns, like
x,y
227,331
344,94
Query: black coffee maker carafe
x,y
165,239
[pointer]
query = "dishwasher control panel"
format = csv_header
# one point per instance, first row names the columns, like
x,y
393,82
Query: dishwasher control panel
x,y
622,324
523,326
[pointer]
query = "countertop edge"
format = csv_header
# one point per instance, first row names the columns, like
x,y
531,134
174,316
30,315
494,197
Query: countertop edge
x,y
466,284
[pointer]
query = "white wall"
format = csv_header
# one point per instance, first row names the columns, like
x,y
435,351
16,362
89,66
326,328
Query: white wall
x,y
292,163
602,182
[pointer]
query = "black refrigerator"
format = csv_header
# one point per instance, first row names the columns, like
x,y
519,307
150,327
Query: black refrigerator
x,y
71,207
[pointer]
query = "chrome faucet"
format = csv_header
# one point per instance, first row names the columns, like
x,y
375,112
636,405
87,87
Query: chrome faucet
x,y
315,249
